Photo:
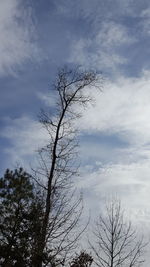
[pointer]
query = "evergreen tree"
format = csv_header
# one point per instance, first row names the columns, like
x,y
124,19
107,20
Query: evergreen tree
x,y
20,206
83,260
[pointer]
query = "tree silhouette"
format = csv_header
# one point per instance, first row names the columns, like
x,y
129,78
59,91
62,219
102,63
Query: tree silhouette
x,y
58,164
19,206
116,242
83,260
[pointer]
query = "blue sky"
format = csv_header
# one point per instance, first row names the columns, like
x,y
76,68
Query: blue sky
x,y
112,37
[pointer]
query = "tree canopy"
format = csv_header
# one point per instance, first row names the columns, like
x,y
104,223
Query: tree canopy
x,y
19,206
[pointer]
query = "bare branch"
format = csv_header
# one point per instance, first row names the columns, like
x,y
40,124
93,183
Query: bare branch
x,y
116,243
58,163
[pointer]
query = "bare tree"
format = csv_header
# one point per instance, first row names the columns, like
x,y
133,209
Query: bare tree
x,y
116,242
58,165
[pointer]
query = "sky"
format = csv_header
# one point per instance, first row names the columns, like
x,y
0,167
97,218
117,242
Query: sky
x,y
111,37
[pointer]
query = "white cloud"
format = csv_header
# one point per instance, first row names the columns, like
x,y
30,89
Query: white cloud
x,y
96,10
48,99
113,35
16,34
145,13
101,51
25,136
123,109
145,20
129,182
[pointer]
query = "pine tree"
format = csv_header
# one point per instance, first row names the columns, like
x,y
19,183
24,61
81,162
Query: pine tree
x,y
83,260
19,207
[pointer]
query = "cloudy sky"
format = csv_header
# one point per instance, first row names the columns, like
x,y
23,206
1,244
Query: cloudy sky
x,y
110,36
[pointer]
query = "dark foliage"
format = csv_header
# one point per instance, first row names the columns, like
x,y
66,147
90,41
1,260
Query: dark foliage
x,y
20,213
83,260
